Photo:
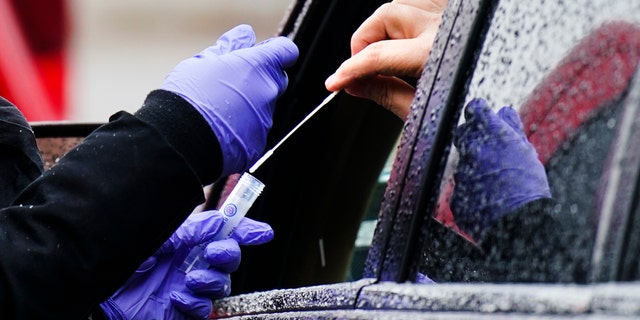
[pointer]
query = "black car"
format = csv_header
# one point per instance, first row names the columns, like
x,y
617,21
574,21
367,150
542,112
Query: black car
x,y
358,199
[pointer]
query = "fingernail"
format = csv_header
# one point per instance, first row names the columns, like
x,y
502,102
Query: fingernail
x,y
330,80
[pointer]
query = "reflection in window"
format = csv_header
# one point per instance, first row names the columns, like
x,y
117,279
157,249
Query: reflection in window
x,y
565,68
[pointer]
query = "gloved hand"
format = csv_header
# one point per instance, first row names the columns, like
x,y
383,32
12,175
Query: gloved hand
x,y
159,290
234,84
498,169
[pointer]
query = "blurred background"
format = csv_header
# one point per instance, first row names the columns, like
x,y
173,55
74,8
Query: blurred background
x,y
83,60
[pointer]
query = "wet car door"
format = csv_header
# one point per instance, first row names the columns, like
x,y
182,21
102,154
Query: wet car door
x,y
569,69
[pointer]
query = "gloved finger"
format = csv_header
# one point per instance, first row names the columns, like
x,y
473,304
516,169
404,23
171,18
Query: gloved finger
x,y
252,232
482,116
198,228
241,36
209,282
460,135
223,255
280,51
489,128
476,110
191,305
511,117
480,127
475,125
467,138
147,264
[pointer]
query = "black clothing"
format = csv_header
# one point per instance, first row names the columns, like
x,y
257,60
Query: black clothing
x,y
528,245
20,161
77,232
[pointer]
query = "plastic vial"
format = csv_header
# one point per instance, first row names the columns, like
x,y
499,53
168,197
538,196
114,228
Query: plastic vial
x,y
234,208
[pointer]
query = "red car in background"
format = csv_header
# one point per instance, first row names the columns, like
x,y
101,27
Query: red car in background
x,y
34,35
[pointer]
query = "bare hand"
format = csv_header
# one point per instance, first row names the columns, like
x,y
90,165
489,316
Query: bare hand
x,y
394,41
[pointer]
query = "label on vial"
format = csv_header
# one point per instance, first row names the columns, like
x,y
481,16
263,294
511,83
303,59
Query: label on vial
x,y
230,210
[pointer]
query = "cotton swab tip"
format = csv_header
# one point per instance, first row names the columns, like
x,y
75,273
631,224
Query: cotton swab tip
x,y
260,161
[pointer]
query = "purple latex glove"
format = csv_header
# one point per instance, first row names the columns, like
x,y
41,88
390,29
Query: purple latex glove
x,y
159,290
498,171
234,84
422,278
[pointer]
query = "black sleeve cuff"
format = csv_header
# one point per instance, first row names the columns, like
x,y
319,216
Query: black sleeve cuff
x,y
531,219
530,245
186,130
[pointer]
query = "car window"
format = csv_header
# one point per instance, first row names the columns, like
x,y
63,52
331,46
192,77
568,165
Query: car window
x,y
55,139
417,167
504,213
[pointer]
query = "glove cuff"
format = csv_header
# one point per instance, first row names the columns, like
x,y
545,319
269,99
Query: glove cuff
x,y
112,311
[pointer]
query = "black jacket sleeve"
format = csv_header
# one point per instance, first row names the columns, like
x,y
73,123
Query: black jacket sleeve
x,y
20,160
81,228
530,245
527,245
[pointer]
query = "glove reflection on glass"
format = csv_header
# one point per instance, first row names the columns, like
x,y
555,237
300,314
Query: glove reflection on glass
x,y
159,290
234,84
498,170
422,278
